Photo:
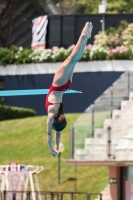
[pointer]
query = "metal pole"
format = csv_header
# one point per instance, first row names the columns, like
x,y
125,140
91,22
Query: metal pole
x,y
13,196
72,196
52,196
92,121
111,102
28,195
88,196
61,196
4,195
75,177
128,84
103,22
0,195
37,196
101,197
59,168
109,142
72,142
61,31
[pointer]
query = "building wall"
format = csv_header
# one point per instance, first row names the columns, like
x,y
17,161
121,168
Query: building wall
x,y
92,84
64,30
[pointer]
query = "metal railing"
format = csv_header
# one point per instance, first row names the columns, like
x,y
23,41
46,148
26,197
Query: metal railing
x,y
46,195
113,102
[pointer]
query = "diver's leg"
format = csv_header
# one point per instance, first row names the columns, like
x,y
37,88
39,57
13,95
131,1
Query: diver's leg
x,y
65,71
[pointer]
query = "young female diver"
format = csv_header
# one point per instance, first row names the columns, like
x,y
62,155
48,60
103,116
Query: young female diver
x,y
62,80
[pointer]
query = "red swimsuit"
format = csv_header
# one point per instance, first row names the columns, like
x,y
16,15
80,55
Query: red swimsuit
x,y
59,88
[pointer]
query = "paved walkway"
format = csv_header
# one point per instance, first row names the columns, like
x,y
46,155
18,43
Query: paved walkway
x,y
105,194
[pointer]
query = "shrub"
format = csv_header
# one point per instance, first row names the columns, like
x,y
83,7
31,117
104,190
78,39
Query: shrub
x,y
98,53
127,36
14,48
101,39
121,53
107,45
61,54
8,112
6,56
113,37
22,56
114,40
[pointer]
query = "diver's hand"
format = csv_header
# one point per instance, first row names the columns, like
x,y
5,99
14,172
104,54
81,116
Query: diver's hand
x,y
55,153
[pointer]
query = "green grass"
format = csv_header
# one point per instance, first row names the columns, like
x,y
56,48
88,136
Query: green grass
x,y
24,141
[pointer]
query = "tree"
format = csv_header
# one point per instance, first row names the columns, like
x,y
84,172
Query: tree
x,y
91,6
66,6
8,7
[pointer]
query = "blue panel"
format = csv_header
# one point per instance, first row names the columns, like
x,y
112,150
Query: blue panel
x,y
31,92
92,85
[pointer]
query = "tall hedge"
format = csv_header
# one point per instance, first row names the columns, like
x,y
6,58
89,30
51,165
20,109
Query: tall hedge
x,y
8,112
